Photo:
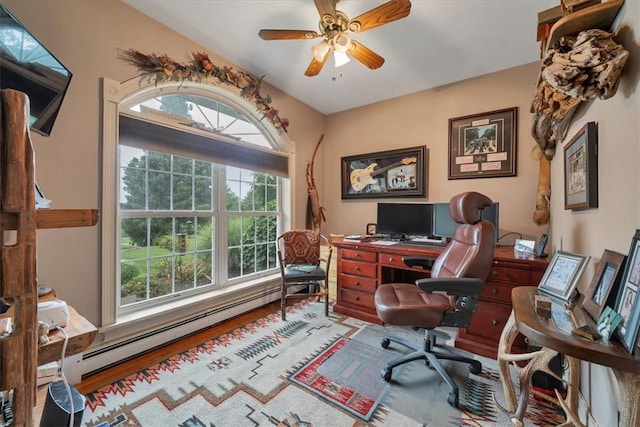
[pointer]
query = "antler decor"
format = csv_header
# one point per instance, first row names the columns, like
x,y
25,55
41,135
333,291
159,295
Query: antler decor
x,y
576,69
201,69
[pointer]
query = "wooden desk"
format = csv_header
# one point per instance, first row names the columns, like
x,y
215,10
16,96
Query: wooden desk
x,y
81,334
554,340
363,266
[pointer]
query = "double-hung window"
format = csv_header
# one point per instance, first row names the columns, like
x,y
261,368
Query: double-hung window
x,y
199,198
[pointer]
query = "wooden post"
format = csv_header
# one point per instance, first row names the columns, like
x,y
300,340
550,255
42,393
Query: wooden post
x,y
18,352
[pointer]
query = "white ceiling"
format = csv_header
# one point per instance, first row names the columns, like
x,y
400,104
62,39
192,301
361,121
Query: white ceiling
x,y
440,42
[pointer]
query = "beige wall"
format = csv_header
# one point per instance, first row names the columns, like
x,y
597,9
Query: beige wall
x,y
85,36
422,119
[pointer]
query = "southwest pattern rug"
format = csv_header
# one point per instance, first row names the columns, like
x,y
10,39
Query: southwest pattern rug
x,y
311,370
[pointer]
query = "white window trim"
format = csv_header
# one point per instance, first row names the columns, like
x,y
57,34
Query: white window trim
x,y
115,93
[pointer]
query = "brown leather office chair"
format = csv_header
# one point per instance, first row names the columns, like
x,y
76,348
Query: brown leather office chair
x,y
302,264
449,296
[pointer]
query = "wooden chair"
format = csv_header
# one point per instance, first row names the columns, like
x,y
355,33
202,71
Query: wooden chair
x,y
302,264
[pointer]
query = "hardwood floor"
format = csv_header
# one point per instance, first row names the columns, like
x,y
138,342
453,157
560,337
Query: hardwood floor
x,y
104,378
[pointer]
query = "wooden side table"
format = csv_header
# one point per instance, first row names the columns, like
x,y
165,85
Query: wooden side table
x,y
80,331
557,338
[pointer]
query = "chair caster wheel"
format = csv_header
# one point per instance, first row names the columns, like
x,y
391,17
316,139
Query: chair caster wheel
x,y
453,399
475,368
385,342
386,374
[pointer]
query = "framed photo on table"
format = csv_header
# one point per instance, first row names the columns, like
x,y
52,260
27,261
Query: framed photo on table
x,y
394,173
563,274
372,229
604,283
483,145
627,304
581,169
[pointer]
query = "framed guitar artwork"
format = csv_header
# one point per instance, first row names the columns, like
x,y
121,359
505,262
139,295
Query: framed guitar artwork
x,y
394,173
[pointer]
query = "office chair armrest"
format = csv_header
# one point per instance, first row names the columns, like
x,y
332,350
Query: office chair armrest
x,y
419,261
462,286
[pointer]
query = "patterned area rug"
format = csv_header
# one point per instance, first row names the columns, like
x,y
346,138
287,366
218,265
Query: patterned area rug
x,y
311,370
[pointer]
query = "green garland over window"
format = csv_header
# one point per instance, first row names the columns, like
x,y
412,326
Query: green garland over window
x,y
201,69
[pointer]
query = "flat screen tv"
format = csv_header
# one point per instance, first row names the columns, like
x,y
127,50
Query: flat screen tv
x,y
26,65
444,226
405,220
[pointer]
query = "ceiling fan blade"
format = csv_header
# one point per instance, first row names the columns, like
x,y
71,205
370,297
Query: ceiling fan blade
x,y
383,14
365,55
315,66
287,34
326,7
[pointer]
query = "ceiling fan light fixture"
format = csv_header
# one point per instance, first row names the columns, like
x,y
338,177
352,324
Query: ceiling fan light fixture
x,y
342,42
320,50
337,31
341,58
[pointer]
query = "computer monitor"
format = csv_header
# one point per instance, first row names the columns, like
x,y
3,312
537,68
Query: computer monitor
x,y
444,226
402,220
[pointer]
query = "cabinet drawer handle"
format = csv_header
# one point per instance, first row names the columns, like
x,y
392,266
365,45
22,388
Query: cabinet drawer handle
x,y
494,291
494,273
357,298
494,322
357,283
358,255
357,268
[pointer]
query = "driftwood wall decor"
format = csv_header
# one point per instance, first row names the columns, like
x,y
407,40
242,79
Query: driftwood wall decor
x,y
315,210
575,69
162,68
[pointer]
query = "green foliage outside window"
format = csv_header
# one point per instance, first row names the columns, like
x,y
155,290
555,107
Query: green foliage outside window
x,y
163,255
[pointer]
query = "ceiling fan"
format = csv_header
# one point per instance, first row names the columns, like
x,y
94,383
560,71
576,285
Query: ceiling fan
x,y
335,29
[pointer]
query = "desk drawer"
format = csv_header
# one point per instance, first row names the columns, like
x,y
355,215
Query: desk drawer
x,y
362,299
496,291
489,320
358,268
510,275
356,283
359,255
392,260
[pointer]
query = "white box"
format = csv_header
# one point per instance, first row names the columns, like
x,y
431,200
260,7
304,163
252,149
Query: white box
x,y
47,373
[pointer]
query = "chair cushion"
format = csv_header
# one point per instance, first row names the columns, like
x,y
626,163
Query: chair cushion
x,y
303,273
406,304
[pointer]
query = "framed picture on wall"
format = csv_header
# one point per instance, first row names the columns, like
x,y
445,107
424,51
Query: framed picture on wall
x,y
394,173
581,169
483,145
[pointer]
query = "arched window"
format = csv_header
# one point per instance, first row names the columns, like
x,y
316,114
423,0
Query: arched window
x,y
195,183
